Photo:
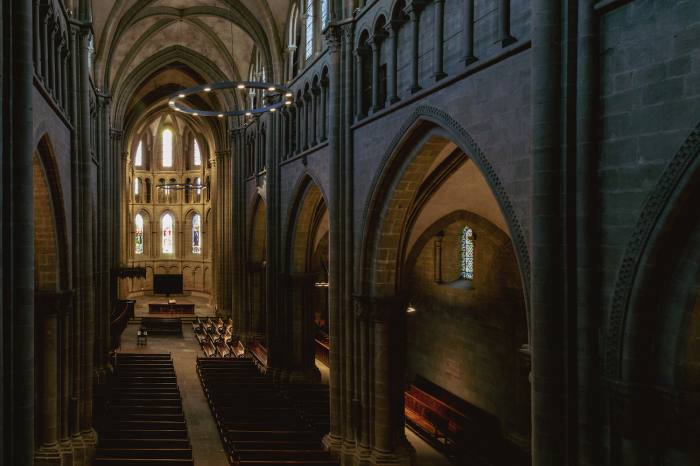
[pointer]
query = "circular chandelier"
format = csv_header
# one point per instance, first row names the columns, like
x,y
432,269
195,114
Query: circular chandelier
x,y
181,186
272,90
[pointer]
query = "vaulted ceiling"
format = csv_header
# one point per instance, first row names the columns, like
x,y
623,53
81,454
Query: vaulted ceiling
x,y
148,49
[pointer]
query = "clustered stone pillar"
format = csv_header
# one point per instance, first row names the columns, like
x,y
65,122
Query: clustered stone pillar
x,y
300,348
272,261
238,240
17,444
549,420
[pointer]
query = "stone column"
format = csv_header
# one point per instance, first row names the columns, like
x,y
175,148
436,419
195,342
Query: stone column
x,y
45,47
375,42
298,142
302,42
17,444
64,74
468,34
285,133
292,50
324,100
37,39
272,262
504,37
549,408
314,114
306,110
590,399
58,92
51,58
363,311
414,9
438,54
390,444
359,56
437,258
302,289
88,433
66,375
77,320
333,441
346,224
392,27
47,310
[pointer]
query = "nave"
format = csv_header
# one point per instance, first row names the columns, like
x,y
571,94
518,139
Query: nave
x,y
206,443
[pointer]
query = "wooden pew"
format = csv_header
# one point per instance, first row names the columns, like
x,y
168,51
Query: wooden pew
x,y
209,349
162,324
259,352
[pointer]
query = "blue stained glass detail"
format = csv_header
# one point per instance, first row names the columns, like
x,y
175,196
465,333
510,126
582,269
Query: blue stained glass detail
x,y
196,235
468,253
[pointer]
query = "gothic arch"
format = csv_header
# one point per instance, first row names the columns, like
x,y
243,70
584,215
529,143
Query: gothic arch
x,y
308,207
55,231
648,241
422,121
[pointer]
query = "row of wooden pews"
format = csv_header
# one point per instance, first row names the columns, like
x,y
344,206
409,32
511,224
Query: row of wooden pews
x,y
261,423
216,339
143,424
470,434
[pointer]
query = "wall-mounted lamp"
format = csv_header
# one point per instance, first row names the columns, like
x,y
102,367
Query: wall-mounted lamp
x,y
410,308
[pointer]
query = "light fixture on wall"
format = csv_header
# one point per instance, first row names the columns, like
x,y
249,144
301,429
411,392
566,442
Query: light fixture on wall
x,y
410,308
324,285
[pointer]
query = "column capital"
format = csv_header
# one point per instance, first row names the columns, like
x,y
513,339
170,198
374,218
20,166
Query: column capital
x,y
414,8
361,51
375,40
393,26
333,39
348,30
363,306
51,303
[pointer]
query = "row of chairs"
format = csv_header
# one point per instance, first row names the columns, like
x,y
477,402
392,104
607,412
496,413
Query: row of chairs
x,y
216,339
261,423
143,424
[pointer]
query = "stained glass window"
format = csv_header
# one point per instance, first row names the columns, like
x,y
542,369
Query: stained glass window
x,y
468,253
167,234
310,29
167,148
196,235
139,234
197,155
324,13
137,159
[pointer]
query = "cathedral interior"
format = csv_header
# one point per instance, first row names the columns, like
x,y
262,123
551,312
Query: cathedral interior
x,y
350,232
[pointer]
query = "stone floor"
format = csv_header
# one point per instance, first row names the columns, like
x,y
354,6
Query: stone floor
x,y
207,449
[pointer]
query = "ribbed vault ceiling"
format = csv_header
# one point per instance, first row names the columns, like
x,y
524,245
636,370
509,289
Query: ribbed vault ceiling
x,y
148,49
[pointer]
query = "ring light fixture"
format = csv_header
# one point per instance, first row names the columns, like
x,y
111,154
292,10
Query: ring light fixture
x,y
272,90
181,186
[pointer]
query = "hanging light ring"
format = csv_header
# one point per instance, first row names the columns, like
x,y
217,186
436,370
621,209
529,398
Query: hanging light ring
x,y
181,186
272,90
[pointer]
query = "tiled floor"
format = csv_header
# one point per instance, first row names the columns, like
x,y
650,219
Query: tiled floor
x,y
206,444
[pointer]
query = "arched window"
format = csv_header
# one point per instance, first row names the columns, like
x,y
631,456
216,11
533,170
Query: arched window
x,y
167,148
198,182
197,155
139,233
137,159
324,13
196,235
468,238
137,187
310,29
167,234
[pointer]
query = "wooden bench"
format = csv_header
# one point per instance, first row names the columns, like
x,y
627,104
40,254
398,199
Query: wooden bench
x,y
162,324
209,349
259,352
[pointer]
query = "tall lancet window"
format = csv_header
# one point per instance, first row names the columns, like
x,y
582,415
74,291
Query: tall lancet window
x,y
196,235
167,234
138,158
324,13
197,154
139,233
137,188
310,29
167,148
468,238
